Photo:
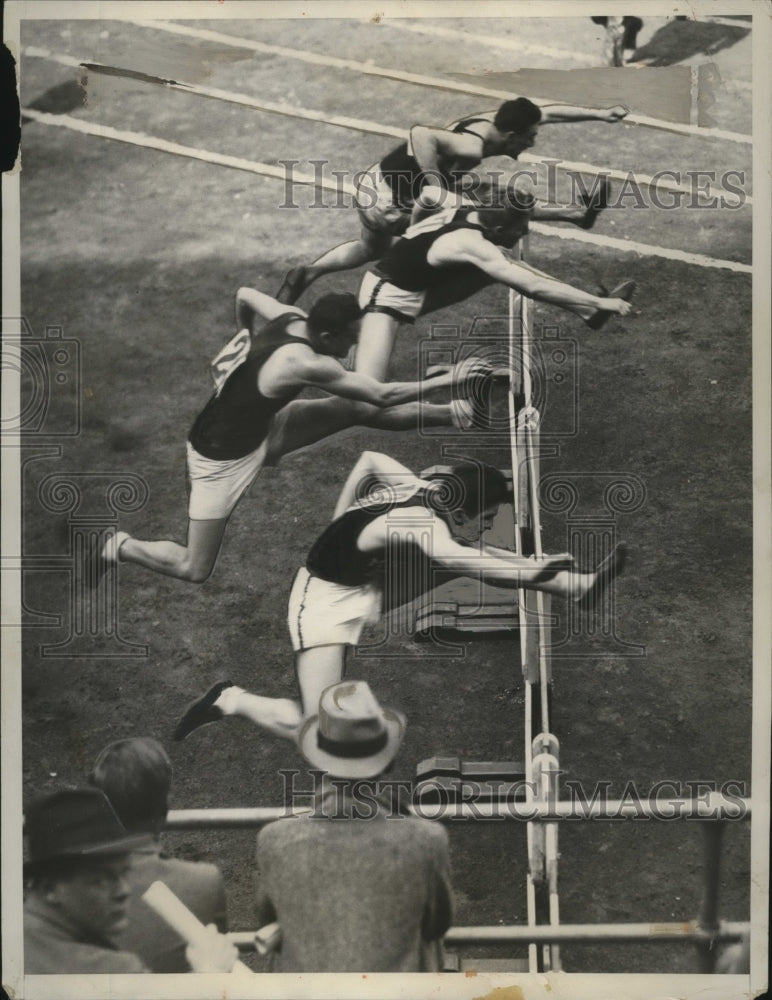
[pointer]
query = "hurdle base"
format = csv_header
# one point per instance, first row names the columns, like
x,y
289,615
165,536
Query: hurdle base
x,y
448,620
449,780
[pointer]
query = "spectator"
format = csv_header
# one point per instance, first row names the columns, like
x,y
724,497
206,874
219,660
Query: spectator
x,y
354,894
135,775
78,890
621,37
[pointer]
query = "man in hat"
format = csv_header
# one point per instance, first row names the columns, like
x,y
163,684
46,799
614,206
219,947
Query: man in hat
x,y
386,193
354,890
253,419
393,537
78,890
135,774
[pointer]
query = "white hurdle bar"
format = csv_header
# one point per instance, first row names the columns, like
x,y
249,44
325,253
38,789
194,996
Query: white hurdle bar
x,y
713,806
688,931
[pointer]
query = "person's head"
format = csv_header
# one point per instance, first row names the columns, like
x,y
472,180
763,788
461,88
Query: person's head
x,y
135,774
518,123
351,736
91,897
78,860
504,198
334,321
471,494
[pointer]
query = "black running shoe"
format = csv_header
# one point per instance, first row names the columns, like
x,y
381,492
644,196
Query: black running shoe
x,y
594,205
292,287
202,711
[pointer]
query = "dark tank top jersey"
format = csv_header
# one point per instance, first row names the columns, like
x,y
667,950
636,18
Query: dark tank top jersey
x,y
236,422
403,174
405,265
402,571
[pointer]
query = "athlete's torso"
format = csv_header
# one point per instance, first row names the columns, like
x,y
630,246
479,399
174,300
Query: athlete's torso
x,y
235,422
405,263
400,569
403,174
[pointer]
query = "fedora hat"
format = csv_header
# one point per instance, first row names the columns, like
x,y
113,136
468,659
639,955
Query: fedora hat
x,y
352,736
75,823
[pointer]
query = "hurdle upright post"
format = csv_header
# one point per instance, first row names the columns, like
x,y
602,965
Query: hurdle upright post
x,y
713,833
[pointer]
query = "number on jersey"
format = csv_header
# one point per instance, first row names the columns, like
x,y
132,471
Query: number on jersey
x,y
230,357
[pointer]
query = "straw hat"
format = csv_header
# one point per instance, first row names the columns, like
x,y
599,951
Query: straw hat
x,y
352,736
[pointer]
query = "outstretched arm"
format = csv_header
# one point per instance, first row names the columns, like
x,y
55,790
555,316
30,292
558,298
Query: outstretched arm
x,y
553,114
256,307
470,248
308,369
437,542
372,463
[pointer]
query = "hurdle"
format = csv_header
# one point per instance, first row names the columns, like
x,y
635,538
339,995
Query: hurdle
x,y
540,750
540,808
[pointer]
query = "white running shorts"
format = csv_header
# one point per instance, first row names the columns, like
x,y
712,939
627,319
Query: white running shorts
x,y
217,486
379,296
326,614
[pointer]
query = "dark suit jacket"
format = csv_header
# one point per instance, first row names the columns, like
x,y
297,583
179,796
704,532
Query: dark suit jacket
x,y
200,887
355,895
52,947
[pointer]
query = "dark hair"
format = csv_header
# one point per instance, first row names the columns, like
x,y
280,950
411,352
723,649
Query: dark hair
x,y
331,313
471,488
135,775
517,116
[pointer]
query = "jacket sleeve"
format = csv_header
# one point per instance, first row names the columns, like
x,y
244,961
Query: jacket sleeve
x,y
264,908
438,912
220,903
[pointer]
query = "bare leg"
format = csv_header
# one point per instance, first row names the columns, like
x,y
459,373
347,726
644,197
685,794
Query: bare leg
x,y
345,257
280,716
317,669
584,214
306,422
376,342
612,48
193,562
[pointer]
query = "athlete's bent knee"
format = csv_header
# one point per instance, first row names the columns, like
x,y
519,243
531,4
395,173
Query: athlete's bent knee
x,y
198,572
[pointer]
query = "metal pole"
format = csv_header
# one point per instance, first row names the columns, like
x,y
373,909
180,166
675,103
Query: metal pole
x,y
686,931
708,919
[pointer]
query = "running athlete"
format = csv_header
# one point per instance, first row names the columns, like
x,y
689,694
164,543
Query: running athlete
x,y
389,525
253,418
386,192
439,262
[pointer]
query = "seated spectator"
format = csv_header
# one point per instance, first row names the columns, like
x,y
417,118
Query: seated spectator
x,y
135,775
354,889
78,890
